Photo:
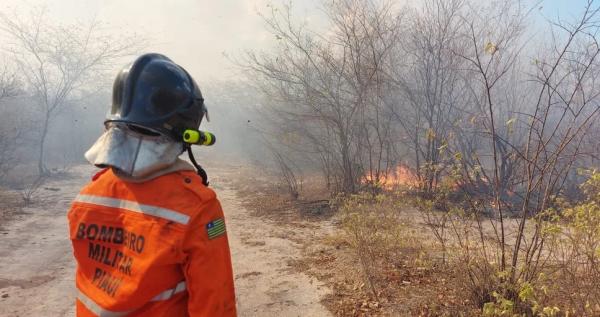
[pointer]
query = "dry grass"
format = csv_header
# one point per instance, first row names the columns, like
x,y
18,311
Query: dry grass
x,y
404,289
11,203
380,255
408,280
395,262
266,196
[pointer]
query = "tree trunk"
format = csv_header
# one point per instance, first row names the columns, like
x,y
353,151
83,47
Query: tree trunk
x,y
348,172
42,170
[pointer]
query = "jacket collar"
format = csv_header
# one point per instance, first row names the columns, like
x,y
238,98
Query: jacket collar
x,y
179,165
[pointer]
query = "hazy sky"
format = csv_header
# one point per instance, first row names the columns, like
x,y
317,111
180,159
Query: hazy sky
x,y
196,33
566,8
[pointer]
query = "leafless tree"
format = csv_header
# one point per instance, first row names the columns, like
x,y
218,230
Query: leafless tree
x,y
289,176
431,99
57,61
328,90
10,130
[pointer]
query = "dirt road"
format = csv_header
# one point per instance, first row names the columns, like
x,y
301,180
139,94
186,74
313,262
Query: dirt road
x,y
36,268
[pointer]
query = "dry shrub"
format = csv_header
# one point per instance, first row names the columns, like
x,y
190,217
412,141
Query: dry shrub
x,y
572,279
464,244
384,241
563,280
28,193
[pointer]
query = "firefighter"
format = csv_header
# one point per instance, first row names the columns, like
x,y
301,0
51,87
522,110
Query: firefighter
x,y
148,234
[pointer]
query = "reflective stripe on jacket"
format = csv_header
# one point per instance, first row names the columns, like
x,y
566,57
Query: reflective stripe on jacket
x,y
156,248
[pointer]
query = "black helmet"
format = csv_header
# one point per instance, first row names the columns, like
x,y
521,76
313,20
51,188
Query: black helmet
x,y
157,94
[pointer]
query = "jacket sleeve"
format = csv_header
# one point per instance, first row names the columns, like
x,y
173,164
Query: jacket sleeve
x,y
207,268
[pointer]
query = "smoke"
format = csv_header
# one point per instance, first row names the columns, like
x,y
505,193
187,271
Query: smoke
x,y
201,36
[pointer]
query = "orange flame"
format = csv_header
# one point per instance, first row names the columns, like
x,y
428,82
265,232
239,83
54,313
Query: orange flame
x,y
400,176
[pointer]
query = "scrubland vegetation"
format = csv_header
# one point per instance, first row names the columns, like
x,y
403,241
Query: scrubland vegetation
x,y
454,143
478,116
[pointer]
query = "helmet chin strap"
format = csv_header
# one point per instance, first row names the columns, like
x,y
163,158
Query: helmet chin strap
x,y
199,168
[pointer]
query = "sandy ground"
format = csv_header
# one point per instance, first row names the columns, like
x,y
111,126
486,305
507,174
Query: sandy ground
x,y
36,267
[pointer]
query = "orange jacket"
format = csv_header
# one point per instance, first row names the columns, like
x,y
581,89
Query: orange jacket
x,y
156,248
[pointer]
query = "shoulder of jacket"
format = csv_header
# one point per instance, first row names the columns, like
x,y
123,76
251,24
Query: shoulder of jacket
x,y
98,180
193,183
205,198
100,173
183,184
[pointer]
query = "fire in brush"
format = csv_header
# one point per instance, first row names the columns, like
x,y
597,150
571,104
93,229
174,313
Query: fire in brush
x,y
401,175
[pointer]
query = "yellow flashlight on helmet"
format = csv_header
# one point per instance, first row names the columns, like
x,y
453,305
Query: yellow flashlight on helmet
x,y
198,137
